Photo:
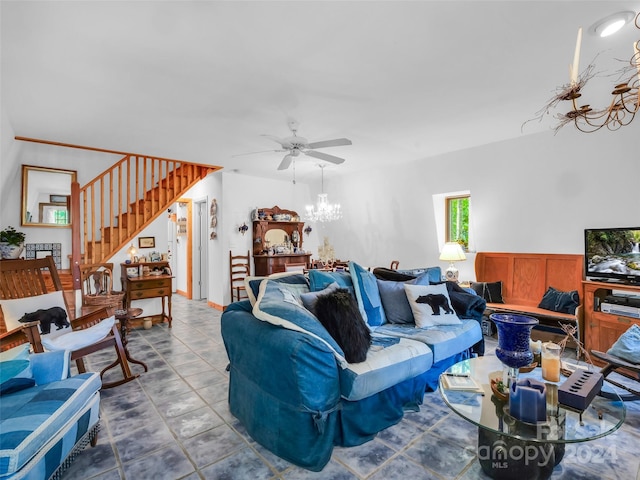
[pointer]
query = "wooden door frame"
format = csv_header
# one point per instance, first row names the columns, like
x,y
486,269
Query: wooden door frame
x,y
189,293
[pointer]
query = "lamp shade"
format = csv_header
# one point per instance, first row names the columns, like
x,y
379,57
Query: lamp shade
x,y
452,252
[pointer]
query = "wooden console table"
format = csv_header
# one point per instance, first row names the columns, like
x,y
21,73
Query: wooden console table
x,y
147,286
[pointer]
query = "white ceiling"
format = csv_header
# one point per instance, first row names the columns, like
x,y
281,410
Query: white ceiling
x,y
202,80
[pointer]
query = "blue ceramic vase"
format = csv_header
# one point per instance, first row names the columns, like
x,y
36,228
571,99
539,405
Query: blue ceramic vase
x,y
514,333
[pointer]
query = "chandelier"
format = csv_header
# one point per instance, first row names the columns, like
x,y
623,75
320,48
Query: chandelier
x,y
323,211
624,104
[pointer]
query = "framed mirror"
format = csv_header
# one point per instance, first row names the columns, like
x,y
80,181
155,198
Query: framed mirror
x,y
46,196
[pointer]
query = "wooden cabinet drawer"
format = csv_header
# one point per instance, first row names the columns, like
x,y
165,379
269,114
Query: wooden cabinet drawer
x,y
143,285
613,318
150,293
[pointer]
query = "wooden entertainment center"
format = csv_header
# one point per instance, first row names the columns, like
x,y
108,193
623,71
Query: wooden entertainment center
x,y
602,329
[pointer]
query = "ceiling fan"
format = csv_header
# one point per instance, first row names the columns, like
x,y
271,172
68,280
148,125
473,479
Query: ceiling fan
x,y
294,145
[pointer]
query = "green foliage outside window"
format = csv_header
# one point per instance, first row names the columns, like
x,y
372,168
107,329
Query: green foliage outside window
x,y
458,220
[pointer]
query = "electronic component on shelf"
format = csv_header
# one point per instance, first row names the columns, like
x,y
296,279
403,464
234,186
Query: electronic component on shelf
x,y
579,389
624,310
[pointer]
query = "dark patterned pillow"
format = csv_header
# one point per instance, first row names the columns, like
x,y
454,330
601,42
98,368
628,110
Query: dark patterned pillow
x,y
559,301
338,312
490,291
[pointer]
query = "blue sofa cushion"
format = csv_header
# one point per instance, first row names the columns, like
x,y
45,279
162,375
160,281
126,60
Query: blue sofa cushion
x,y
309,299
390,360
319,280
394,299
15,375
278,306
434,273
297,281
32,417
443,340
367,294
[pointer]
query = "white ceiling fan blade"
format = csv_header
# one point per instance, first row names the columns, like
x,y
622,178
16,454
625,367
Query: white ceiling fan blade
x,y
330,143
282,141
324,156
286,161
255,153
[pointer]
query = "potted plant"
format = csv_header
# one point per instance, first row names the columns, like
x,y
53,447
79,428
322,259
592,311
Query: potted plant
x,y
11,242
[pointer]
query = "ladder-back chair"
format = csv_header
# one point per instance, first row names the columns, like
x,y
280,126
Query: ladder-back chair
x,y
239,268
28,278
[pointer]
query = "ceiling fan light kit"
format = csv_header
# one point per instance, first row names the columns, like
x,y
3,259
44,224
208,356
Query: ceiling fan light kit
x,y
295,145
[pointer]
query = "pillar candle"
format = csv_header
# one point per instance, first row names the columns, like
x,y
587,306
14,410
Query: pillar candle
x,y
636,57
576,59
528,400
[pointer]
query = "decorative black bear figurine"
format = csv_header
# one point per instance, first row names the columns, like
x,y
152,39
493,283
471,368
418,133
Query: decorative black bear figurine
x,y
436,301
56,315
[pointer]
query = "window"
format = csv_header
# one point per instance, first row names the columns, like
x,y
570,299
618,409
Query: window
x,y
457,219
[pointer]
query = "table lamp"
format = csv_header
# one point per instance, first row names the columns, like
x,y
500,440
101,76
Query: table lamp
x,y
131,251
452,252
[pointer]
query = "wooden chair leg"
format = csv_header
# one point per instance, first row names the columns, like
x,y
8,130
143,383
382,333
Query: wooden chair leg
x,y
121,359
81,366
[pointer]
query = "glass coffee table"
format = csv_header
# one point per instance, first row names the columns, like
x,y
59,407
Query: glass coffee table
x,y
512,449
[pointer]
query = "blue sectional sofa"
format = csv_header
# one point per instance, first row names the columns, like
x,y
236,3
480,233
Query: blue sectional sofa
x,y
46,417
290,384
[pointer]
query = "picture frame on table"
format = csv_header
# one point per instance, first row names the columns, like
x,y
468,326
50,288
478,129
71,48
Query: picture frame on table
x,y
146,242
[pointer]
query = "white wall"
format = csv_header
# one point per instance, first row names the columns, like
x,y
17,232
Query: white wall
x,y
536,193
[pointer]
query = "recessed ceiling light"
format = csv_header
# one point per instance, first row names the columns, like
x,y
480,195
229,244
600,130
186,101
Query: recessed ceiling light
x,y
611,24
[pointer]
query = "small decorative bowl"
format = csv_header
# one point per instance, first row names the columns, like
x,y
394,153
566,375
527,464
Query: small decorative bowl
x,y
528,368
504,396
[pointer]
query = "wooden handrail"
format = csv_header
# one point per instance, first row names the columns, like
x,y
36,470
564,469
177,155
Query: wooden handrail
x,y
117,204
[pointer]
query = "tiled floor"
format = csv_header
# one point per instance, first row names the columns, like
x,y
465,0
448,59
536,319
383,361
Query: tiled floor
x,y
174,423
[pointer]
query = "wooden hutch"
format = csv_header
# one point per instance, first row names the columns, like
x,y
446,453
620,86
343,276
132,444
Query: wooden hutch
x,y
275,234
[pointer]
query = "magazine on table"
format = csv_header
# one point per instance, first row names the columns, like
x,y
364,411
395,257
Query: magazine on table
x,y
460,381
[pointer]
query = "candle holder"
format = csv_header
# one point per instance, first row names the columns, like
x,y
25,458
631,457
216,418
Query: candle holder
x,y
514,333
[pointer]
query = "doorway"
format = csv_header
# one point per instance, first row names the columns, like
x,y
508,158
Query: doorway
x,y
183,251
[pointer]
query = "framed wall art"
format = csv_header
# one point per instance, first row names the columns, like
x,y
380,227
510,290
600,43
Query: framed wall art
x,y
146,242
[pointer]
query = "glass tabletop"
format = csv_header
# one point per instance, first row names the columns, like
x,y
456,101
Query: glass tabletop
x,y
563,424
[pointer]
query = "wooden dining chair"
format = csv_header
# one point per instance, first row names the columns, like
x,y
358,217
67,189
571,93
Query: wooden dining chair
x,y
239,269
21,279
295,267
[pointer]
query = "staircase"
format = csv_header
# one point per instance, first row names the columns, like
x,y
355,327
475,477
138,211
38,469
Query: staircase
x,y
119,203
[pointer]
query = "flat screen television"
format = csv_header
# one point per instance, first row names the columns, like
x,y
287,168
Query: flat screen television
x,y
612,254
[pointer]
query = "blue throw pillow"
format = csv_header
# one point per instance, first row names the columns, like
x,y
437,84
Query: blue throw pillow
x,y
15,375
296,280
394,299
369,302
627,347
558,301
309,299
319,280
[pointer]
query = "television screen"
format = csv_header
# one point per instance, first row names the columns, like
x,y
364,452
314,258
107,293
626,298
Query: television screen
x,y
613,253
